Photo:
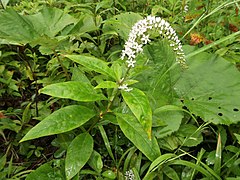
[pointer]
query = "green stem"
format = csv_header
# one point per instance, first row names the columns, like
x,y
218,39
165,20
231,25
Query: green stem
x,y
61,64
111,99
212,44
115,90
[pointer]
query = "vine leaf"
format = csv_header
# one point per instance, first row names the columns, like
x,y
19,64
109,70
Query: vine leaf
x,y
62,120
210,88
134,131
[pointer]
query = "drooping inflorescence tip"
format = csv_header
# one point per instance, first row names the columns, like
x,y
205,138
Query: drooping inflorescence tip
x,y
139,36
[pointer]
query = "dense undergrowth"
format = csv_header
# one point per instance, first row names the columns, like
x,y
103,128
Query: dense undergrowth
x,y
86,93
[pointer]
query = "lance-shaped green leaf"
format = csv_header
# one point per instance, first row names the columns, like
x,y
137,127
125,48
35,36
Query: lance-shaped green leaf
x,y
78,153
75,90
210,88
106,84
139,105
62,120
159,161
134,131
93,64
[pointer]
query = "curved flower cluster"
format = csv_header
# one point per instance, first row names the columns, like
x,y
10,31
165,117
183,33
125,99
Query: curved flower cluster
x,y
139,36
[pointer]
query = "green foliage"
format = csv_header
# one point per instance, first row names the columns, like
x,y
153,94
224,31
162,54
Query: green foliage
x,y
70,108
62,120
74,90
134,131
93,64
214,102
78,153
139,105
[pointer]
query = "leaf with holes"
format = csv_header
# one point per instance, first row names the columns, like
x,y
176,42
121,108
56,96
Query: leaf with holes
x,y
210,88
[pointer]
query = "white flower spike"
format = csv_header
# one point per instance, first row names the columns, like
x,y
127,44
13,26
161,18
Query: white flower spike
x,y
139,36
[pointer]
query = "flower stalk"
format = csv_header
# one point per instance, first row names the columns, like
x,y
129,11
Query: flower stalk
x,y
139,36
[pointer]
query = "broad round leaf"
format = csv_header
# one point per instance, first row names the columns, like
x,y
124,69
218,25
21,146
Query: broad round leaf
x,y
62,120
210,88
30,28
78,153
75,90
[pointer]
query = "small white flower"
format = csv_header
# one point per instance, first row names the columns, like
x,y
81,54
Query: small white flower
x,y
145,39
185,9
122,87
131,63
151,19
138,47
122,56
129,175
125,88
139,37
128,89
